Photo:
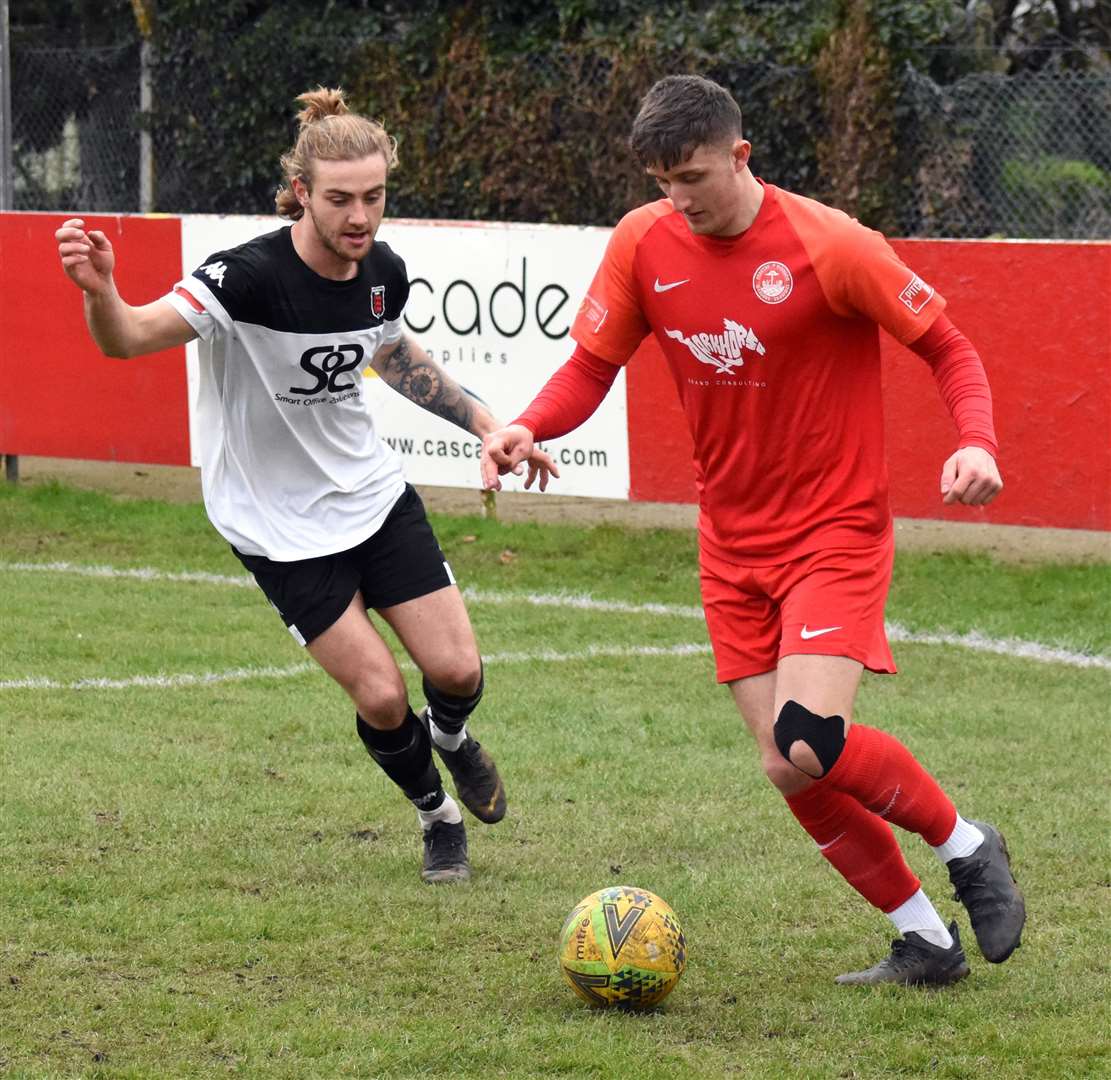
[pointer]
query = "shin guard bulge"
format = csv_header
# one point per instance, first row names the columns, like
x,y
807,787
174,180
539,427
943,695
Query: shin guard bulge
x,y
405,756
883,775
859,845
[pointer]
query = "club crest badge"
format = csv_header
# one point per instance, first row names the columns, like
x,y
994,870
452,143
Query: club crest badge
x,y
772,282
378,300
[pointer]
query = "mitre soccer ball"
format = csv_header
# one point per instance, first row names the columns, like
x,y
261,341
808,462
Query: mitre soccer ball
x,y
622,947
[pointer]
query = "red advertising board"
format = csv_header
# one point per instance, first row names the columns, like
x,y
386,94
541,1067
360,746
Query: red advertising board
x,y
1040,315
61,397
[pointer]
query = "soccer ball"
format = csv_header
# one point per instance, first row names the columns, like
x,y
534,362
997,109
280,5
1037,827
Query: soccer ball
x,y
622,947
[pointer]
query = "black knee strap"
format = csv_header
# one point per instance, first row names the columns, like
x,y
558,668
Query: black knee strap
x,y
451,712
383,743
825,735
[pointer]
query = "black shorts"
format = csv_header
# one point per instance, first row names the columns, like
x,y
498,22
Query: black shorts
x,y
400,562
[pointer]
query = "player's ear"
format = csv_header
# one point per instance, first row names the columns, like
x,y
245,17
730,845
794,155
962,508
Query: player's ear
x,y
301,190
742,148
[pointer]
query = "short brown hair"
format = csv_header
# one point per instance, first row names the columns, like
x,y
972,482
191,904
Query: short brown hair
x,y
679,114
330,131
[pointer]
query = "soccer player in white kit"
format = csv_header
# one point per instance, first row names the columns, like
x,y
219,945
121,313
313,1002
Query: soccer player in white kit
x,y
293,472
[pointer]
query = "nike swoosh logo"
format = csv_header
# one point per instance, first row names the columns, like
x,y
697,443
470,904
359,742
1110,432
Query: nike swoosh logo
x,y
602,320
829,844
489,808
670,285
806,634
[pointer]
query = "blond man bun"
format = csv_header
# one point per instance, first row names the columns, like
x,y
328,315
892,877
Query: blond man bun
x,y
329,131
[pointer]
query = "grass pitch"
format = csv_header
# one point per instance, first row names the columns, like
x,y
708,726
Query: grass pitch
x,y
205,875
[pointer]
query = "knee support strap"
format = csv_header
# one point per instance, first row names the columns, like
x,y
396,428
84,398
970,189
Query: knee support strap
x,y
824,735
449,711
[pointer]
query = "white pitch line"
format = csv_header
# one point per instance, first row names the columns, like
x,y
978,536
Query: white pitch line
x,y
973,640
162,682
581,602
142,573
1013,647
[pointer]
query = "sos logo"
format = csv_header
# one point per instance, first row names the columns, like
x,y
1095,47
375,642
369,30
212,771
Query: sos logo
x,y
326,363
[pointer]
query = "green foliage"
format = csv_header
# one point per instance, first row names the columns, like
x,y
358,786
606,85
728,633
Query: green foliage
x,y
226,79
505,109
1051,191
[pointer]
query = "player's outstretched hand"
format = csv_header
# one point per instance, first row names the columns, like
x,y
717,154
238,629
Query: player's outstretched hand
x,y
504,450
87,258
541,464
970,477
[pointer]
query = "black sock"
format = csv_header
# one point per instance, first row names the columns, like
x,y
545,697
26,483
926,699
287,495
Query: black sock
x,y
405,756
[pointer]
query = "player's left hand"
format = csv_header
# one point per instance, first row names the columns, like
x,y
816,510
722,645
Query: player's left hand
x,y
970,477
543,465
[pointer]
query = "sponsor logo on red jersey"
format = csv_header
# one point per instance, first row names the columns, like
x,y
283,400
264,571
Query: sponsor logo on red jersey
x,y
724,351
917,294
593,312
772,282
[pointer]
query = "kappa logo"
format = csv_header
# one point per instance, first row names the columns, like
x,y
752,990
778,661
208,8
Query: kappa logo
x,y
917,294
772,282
216,271
724,351
378,300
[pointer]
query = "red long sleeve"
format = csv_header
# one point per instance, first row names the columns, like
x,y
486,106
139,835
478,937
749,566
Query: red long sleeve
x,y
570,396
961,381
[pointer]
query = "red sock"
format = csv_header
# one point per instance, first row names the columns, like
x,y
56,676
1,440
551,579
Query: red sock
x,y
860,845
881,773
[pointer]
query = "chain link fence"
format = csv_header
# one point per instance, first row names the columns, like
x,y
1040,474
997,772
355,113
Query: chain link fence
x,y
1027,155
75,115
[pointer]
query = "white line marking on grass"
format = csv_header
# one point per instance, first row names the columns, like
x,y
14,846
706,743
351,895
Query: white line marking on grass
x,y
1013,647
581,602
974,640
142,573
598,652
163,682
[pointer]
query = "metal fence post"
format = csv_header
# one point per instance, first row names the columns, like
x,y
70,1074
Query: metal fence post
x,y
7,195
146,152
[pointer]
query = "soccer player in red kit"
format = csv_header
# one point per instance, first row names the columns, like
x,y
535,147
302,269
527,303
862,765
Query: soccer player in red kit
x,y
767,307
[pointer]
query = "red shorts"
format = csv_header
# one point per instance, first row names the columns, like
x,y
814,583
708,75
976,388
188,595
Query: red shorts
x,y
828,603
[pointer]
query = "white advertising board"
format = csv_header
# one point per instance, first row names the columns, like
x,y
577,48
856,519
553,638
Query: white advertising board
x,y
493,304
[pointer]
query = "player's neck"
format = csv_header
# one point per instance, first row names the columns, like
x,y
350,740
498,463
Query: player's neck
x,y
750,197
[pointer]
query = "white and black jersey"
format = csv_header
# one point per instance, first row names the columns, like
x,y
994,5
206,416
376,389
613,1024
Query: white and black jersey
x,y
291,465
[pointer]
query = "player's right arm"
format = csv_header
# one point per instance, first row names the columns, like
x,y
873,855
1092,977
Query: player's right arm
x,y
569,398
608,328
118,329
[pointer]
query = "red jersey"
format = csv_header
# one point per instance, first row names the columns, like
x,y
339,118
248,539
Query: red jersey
x,y
772,339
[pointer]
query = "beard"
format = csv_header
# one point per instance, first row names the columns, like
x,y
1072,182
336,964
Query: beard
x,y
333,241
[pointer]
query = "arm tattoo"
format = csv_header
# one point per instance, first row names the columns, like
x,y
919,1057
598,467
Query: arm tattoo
x,y
423,381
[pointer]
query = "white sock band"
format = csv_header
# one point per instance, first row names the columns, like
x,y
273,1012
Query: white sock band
x,y
920,917
962,842
447,811
449,741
